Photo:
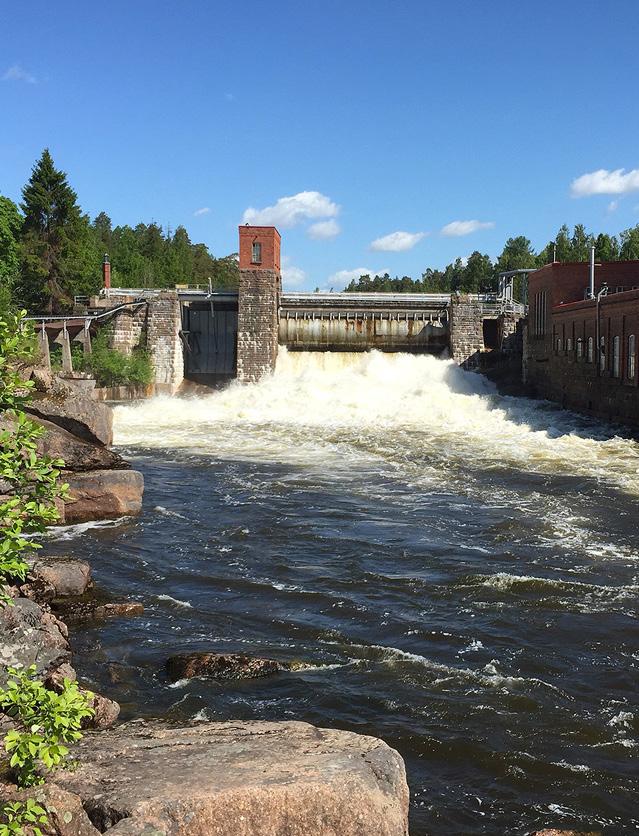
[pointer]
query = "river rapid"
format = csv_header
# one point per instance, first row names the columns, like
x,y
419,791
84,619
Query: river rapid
x,y
460,568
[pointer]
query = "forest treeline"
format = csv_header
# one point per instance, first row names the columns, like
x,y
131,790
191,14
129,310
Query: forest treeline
x,y
51,251
478,273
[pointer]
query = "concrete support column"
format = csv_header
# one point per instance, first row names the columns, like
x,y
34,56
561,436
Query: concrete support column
x,y
257,326
86,340
67,362
43,345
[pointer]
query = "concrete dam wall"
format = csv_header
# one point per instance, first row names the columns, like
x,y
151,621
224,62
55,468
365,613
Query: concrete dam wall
x,y
360,322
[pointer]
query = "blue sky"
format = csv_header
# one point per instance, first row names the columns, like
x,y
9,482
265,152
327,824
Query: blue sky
x,y
374,118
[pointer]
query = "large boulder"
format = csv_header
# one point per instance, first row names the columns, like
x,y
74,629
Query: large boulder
x,y
239,779
103,494
75,411
30,635
77,453
66,575
221,666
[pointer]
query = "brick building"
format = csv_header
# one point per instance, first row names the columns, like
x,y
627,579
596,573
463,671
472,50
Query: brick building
x,y
581,351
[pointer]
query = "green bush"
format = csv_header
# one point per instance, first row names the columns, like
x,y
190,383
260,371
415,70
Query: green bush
x,y
111,367
33,478
19,813
49,721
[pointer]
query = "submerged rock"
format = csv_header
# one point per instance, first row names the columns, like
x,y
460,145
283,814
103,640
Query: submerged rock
x,y
95,607
222,666
239,779
103,494
553,832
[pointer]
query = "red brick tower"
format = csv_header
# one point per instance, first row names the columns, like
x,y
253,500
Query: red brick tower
x,y
259,248
258,302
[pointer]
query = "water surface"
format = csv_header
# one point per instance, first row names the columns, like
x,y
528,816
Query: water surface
x,y
460,568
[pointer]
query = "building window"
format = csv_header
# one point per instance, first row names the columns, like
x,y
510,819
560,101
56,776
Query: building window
x,y
569,344
632,361
558,345
257,253
616,357
540,314
591,349
580,348
602,354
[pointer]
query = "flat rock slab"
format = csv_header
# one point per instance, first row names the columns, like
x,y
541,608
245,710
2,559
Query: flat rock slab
x,y
239,779
103,494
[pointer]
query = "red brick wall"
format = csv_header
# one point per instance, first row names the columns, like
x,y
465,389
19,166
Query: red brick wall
x,y
270,240
567,282
556,371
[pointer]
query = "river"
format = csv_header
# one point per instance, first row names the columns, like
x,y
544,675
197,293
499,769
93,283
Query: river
x,y
461,568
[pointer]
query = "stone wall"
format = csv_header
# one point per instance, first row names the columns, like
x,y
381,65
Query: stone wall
x,y
125,331
258,305
466,331
163,325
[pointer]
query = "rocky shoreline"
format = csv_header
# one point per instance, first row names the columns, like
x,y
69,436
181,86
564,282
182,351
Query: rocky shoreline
x,y
148,777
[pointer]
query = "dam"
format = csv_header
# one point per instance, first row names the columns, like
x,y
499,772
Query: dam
x,y
215,336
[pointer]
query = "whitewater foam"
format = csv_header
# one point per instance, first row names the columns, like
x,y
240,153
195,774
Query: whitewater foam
x,y
347,411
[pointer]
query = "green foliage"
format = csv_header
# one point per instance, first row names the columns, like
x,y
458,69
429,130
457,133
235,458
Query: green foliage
x,y
49,721
34,479
478,273
113,368
60,255
19,813
10,249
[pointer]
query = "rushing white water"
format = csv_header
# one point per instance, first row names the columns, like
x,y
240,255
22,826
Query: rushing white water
x,y
353,410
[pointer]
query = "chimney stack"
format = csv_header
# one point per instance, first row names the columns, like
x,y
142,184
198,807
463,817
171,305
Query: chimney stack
x,y
106,272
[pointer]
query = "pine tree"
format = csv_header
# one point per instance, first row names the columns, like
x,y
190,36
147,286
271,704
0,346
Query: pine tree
x,y
60,256
10,248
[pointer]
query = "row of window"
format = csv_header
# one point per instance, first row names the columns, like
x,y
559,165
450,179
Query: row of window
x,y
615,368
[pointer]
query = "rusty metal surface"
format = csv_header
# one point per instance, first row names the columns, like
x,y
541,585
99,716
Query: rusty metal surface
x,y
360,331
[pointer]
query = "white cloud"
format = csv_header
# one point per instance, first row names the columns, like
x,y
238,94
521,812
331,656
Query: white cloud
x,y
203,211
339,280
323,230
397,242
458,228
603,181
612,206
292,276
16,73
290,211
